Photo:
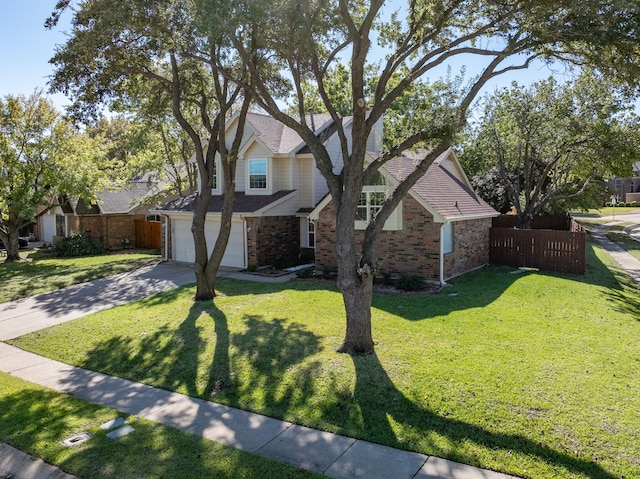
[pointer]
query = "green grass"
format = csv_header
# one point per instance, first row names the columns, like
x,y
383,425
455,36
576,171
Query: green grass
x,y
39,272
531,374
617,235
36,420
608,211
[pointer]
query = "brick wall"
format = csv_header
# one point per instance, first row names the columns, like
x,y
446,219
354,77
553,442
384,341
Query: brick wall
x,y
272,240
416,248
112,229
412,250
470,247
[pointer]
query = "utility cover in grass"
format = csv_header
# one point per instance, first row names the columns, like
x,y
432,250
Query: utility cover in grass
x,y
121,432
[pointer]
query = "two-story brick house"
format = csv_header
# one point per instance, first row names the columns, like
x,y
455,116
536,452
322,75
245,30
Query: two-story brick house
x,y
282,208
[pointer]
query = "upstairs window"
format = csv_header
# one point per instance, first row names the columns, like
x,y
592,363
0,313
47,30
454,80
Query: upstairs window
x,y
258,174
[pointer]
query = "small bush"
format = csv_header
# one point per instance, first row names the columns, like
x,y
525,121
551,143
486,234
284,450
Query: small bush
x,y
305,273
78,244
327,271
633,204
411,283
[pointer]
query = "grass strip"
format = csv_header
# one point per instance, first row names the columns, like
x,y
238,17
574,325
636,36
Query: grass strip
x,y
36,420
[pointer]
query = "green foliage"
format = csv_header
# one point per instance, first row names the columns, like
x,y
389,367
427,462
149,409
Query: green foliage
x,y
79,244
42,156
411,283
305,273
546,148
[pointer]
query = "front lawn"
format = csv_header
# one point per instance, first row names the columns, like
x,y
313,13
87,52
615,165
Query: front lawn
x,y
39,271
532,374
608,211
37,420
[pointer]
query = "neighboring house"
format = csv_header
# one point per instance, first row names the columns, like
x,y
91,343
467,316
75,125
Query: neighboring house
x,y
119,217
440,229
627,189
282,211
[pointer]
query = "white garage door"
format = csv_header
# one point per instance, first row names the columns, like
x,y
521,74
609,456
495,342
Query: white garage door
x,y
184,251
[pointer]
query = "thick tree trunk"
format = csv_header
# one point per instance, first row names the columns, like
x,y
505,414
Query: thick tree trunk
x,y
204,289
524,220
222,241
355,281
357,290
11,244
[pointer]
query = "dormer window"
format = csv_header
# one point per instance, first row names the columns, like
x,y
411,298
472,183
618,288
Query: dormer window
x,y
258,174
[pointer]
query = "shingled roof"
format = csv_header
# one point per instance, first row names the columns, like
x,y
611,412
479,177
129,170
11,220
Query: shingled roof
x,y
276,136
447,194
120,201
242,204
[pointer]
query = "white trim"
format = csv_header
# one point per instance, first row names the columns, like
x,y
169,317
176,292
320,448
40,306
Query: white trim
x,y
268,179
441,275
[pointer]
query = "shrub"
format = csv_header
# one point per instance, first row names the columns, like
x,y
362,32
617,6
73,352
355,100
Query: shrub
x,y
608,203
327,271
411,283
305,273
78,244
633,204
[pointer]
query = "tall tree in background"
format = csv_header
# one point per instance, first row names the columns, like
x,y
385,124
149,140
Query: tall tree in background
x,y
152,148
120,50
306,39
42,156
547,143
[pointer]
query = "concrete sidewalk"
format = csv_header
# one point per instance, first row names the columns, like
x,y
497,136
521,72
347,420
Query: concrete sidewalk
x,y
333,455
330,454
627,261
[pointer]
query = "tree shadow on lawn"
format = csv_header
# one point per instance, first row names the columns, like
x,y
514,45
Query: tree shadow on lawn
x,y
380,402
173,359
36,420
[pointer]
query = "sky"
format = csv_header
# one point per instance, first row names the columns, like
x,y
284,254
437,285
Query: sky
x,y
26,48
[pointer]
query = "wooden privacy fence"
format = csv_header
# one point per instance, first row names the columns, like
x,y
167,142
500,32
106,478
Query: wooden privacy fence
x,y
552,250
148,234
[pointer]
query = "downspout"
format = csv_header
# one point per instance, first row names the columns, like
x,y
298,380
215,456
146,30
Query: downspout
x,y
244,242
167,232
442,281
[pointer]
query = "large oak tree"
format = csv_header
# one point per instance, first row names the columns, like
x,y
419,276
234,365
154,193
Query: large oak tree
x,y
546,144
160,53
307,38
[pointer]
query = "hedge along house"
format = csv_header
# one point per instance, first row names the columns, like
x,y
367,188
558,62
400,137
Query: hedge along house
x,y
277,186
439,230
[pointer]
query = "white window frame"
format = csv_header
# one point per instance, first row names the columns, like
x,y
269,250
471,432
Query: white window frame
x,y
266,188
447,238
393,223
